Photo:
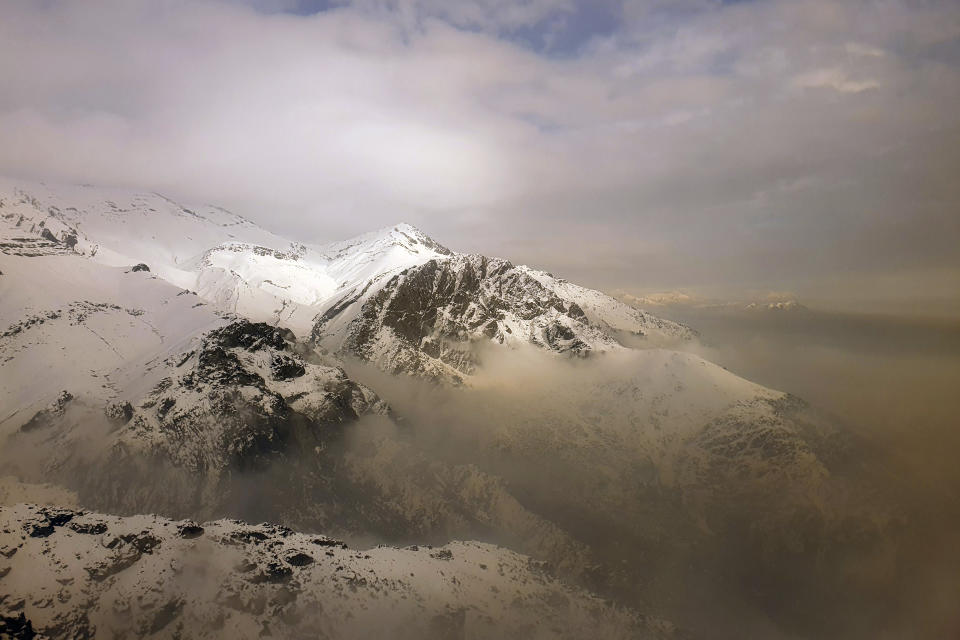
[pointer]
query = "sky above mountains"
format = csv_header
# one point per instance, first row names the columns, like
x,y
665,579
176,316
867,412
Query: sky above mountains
x,y
713,146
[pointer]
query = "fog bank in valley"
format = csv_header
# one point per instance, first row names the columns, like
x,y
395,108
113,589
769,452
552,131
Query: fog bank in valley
x,y
653,477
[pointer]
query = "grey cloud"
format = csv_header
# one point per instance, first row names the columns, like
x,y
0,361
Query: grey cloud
x,y
751,145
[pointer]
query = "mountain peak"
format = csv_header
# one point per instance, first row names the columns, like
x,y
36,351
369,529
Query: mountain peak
x,y
406,227
408,235
778,305
402,234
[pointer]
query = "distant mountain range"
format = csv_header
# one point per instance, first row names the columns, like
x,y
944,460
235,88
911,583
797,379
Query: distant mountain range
x,y
681,299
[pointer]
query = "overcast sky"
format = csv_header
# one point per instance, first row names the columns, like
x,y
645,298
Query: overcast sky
x,y
718,147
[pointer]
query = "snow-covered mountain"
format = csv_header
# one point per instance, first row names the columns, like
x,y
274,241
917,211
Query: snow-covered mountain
x,y
72,323
427,319
227,260
242,393
779,305
70,573
158,400
158,358
659,299
681,300
347,295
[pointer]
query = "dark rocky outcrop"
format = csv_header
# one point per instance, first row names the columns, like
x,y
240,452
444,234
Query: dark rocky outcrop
x,y
46,417
424,319
16,628
47,235
189,530
244,400
119,412
251,336
46,521
286,368
70,239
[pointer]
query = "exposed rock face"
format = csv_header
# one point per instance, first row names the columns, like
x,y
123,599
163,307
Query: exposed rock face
x,y
240,398
243,400
92,575
32,246
140,267
119,412
47,235
17,627
70,239
424,320
324,290
46,417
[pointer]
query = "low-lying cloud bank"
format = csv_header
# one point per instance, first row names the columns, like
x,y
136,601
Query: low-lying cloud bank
x,y
580,445
653,477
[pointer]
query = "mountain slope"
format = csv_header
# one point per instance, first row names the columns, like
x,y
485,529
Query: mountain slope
x,y
345,294
428,319
76,574
228,260
70,323
149,365
142,397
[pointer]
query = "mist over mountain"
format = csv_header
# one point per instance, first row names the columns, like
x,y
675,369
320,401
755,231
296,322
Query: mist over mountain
x,y
543,450
480,319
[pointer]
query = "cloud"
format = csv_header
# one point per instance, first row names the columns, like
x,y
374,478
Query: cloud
x,y
834,79
856,49
644,144
488,15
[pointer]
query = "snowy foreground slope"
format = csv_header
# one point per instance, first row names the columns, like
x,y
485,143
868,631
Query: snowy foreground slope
x,y
79,574
71,323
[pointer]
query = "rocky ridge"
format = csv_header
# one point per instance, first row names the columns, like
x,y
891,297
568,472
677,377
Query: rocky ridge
x,y
68,573
350,296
